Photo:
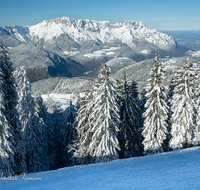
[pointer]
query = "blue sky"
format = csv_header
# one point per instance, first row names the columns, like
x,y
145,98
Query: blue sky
x,y
155,14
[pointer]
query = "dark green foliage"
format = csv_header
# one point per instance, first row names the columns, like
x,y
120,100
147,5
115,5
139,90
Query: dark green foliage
x,y
130,133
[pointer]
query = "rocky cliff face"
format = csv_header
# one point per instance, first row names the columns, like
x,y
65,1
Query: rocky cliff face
x,y
69,47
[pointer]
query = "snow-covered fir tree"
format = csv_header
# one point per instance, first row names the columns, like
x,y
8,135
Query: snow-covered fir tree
x,y
8,108
155,126
196,140
104,145
139,102
183,107
170,97
134,91
56,139
33,127
168,100
7,149
130,134
142,102
55,135
53,120
83,128
41,110
98,121
68,134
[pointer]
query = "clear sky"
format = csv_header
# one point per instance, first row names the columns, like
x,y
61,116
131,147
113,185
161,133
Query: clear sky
x,y
155,14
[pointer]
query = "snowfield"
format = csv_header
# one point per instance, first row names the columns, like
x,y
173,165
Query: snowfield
x,y
145,51
63,99
172,170
101,52
195,54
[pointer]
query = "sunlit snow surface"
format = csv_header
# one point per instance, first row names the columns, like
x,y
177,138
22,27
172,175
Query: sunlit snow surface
x,y
170,64
173,170
102,52
195,54
71,53
145,51
104,31
63,99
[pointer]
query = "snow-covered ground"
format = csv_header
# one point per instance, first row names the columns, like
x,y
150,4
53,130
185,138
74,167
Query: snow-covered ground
x,y
145,51
71,53
63,99
101,52
173,170
170,64
195,54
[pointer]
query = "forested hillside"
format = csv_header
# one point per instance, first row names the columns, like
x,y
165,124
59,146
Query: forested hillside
x,y
111,120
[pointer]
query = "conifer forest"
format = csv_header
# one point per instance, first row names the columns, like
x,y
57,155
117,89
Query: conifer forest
x,y
111,121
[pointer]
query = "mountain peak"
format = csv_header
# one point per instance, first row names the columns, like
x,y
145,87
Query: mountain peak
x,y
100,31
53,43
92,23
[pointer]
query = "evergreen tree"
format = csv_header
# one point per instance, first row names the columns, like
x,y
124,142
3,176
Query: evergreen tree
x,y
57,139
168,100
33,127
142,102
139,102
183,107
196,140
52,121
7,149
155,126
83,128
68,134
98,138
7,162
9,103
41,110
134,91
105,121
130,134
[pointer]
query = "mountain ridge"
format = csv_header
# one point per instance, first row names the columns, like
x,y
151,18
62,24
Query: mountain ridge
x,y
65,25
83,44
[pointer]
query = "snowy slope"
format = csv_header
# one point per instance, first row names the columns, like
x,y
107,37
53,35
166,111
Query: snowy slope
x,y
172,170
61,99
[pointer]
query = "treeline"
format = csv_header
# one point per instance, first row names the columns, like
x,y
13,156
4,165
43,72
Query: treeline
x,y
110,121
31,139
114,121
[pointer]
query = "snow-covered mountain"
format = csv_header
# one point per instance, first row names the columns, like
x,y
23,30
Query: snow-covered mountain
x,y
172,170
81,31
100,32
55,43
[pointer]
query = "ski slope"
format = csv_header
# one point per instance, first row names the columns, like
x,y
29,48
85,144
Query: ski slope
x,y
172,170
